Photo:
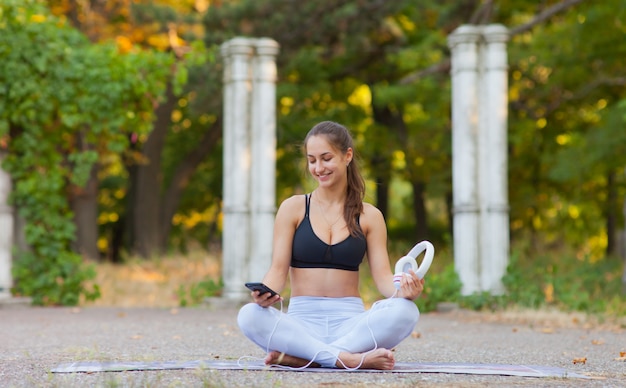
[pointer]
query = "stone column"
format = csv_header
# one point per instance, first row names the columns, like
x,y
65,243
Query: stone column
x,y
479,152
6,233
464,70
494,192
263,178
236,149
249,161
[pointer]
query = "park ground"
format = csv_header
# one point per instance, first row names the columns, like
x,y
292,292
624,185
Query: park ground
x,y
139,318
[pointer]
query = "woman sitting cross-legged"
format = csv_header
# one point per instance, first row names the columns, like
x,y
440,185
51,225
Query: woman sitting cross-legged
x,y
320,239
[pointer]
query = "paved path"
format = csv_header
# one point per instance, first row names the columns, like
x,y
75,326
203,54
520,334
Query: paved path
x,y
35,340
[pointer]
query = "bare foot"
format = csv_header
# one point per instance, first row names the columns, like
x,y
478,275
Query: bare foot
x,y
380,359
277,358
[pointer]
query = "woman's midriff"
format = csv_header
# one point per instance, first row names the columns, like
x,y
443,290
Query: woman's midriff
x,y
326,282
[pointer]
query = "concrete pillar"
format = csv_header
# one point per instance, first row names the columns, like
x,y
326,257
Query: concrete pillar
x,y
6,233
494,192
464,70
263,179
249,145
479,152
236,149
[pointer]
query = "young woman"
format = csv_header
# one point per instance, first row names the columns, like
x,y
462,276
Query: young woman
x,y
319,241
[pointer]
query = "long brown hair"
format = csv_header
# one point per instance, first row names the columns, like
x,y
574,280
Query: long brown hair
x,y
340,138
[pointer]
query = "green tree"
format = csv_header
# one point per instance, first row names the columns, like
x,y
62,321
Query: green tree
x,y
143,198
382,68
65,105
566,89
349,71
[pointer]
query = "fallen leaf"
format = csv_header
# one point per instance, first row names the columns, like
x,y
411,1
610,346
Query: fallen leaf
x,y
581,360
548,291
136,337
622,358
416,335
547,330
597,342
622,354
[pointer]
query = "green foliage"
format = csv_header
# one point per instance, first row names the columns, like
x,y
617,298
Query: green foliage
x,y
567,282
565,129
196,293
58,280
482,301
443,286
528,294
61,109
72,103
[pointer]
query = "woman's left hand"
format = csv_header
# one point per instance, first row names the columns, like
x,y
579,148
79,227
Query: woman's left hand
x,y
411,286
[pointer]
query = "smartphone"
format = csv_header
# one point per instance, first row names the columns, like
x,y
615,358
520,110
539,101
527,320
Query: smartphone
x,y
262,288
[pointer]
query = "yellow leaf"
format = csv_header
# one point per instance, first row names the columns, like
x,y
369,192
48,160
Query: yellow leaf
x,y
123,44
548,292
38,18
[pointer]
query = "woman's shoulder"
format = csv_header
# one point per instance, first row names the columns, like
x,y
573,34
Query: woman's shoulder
x,y
369,209
294,200
371,220
371,214
293,204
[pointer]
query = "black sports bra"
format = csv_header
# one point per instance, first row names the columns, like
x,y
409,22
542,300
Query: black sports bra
x,y
309,251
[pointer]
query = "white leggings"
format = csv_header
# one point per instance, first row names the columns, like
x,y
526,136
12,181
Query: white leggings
x,y
318,329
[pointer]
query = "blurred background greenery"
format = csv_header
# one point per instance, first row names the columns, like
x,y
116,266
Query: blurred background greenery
x,y
111,117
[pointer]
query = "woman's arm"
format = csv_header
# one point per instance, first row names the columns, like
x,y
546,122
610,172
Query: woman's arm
x,y
375,231
287,218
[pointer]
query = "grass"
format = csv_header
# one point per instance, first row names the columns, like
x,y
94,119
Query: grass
x,y
161,283
560,283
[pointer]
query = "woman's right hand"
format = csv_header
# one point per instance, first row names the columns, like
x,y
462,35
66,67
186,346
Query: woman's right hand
x,y
265,300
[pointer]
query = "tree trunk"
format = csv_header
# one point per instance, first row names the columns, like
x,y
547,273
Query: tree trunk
x,y
381,163
449,213
419,211
621,242
147,210
84,205
381,170
611,215
183,173
392,118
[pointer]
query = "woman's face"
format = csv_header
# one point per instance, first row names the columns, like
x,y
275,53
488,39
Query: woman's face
x,y
326,163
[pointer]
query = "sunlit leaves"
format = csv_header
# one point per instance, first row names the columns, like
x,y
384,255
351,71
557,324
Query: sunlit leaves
x,y
565,132
66,103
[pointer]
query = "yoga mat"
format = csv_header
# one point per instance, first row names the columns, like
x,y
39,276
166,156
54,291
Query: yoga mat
x,y
400,367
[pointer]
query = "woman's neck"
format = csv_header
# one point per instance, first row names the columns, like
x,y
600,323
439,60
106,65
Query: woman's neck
x,y
330,196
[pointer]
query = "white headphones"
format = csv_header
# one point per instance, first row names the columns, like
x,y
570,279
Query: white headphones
x,y
409,262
